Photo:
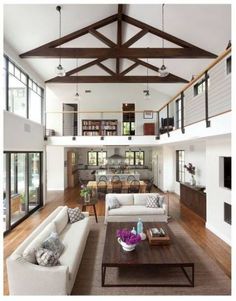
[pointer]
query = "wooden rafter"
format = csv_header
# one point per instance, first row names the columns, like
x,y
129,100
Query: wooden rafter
x,y
106,53
117,50
117,79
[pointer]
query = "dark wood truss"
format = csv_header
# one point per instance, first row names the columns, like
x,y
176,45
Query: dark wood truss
x,y
118,50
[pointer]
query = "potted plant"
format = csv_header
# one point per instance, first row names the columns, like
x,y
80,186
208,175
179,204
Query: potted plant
x,y
85,192
22,202
127,239
191,169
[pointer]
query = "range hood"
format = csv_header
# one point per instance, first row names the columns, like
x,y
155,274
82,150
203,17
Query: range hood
x,y
116,155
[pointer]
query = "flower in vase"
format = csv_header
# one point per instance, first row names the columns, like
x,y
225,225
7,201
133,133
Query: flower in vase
x,y
128,237
190,168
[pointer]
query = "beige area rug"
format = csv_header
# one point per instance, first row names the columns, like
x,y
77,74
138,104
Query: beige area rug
x,y
209,278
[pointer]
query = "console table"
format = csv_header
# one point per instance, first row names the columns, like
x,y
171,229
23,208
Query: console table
x,y
194,198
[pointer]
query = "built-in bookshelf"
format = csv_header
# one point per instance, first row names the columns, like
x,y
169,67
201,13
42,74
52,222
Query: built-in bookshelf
x,y
99,127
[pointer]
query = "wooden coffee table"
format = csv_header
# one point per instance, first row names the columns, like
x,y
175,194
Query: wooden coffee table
x,y
172,255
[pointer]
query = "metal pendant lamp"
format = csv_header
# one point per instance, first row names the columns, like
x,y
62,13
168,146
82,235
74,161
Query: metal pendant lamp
x,y
163,72
146,92
60,71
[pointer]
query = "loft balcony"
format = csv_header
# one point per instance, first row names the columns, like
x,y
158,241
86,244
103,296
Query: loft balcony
x,y
201,109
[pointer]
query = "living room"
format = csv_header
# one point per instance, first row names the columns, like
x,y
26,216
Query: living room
x,y
106,135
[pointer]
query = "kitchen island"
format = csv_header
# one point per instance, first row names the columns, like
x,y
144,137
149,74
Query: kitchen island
x,y
123,176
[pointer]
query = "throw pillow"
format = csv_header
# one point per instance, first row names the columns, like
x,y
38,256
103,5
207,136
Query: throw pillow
x,y
46,258
113,203
61,220
161,200
53,244
75,215
152,201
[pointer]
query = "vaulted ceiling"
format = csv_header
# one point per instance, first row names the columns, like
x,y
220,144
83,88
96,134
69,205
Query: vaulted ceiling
x,y
207,27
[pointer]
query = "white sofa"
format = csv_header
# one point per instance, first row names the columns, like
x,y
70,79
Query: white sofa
x,y
25,278
133,206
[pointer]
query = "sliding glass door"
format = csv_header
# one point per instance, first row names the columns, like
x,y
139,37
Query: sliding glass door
x,y
22,187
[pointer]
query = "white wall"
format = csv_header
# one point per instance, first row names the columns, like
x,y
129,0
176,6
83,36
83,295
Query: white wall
x,y
55,168
21,134
104,97
217,195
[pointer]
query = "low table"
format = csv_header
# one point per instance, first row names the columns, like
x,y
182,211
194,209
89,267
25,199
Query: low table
x,y
91,203
173,255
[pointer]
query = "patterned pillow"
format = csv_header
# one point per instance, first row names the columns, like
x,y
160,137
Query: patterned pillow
x,y
53,244
46,258
75,215
113,203
152,201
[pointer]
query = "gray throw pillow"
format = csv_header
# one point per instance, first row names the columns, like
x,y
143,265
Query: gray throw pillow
x,y
46,258
113,203
54,244
161,199
75,215
152,201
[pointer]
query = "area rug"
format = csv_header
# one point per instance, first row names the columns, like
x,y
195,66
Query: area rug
x,y
209,278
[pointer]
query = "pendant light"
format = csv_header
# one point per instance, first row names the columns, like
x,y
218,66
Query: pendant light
x,y
146,92
60,71
77,85
163,70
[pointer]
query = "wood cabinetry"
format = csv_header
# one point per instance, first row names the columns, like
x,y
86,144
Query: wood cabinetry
x,y
149,128
99,127
194,199
72,169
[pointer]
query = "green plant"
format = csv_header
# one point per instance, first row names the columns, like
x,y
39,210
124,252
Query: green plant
x,y
85,191
22,198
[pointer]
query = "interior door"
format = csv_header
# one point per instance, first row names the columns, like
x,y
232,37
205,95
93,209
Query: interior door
x,y
69,120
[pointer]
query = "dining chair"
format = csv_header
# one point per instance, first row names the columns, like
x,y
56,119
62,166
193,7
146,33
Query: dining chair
x,y
130,178
101,188
115,178
103,178
134,187
116,186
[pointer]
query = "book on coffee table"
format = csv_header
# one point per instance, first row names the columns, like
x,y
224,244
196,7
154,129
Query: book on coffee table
x,y
157,237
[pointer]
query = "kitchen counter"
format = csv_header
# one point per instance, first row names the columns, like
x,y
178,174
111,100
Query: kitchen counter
x,y
123,176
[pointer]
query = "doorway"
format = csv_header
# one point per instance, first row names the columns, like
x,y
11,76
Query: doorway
x,y
70,123
128,119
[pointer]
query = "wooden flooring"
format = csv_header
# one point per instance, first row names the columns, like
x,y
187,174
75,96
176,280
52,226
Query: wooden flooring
x,y
212,245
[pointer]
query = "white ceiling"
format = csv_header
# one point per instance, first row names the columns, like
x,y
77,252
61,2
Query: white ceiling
x,y
205,25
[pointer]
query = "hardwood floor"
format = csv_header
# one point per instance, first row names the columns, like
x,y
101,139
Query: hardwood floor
x,y
212,245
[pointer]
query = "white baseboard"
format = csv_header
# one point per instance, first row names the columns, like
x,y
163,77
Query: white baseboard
x,y
219,234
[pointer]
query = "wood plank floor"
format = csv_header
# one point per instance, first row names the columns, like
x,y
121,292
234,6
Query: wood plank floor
x,y
212,245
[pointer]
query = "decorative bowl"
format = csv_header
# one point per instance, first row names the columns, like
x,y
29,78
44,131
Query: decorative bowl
x,y
125,246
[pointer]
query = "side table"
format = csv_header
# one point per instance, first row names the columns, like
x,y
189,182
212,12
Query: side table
x,y
91,203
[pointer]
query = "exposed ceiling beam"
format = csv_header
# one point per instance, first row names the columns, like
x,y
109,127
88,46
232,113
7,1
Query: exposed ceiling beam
x,y
145,64
129,69
102,38
105,68
117,79
119,33
74,35
107,53
135,38
85,66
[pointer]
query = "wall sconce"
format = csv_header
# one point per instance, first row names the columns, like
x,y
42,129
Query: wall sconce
x,y
129,138
73,138
157,137
102,138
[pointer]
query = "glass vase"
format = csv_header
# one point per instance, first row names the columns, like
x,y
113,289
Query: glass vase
x,y
87,198
193,180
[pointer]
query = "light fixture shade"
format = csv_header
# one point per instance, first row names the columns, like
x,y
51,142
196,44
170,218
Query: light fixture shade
x,y
163,71
60,71
147,95
77,96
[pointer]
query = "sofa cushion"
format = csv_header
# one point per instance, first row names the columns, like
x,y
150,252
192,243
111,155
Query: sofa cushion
x,y
113,203
161,200
123,198
74,239
29,252
141,198
75,215
54,244
135,210
61,220
46,258
152,201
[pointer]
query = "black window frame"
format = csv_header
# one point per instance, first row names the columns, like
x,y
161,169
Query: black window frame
x,y
202,83
178,110
180,172
35,87
135,159
228,65
10,226
97,152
